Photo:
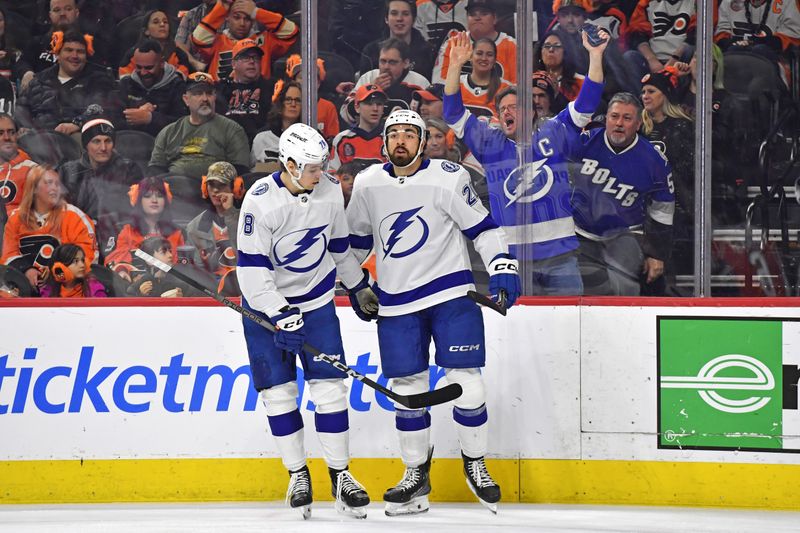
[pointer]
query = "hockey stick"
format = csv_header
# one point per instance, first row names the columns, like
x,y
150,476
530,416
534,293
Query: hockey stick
x,y
412,401
485,301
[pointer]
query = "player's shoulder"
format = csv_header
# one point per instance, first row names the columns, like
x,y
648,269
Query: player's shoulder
x,y
444,172
261,190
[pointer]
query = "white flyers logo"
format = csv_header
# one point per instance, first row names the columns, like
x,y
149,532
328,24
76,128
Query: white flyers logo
x,y
526,182
708,383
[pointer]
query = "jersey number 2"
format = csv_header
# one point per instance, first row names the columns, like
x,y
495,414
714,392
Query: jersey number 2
x,y
470,195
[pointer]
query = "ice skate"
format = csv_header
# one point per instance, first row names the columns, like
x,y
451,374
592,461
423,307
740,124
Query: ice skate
x,y
351,498
410,496
298,495
481,483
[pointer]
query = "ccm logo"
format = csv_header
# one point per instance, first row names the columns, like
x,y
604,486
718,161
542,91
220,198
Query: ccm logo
x,y
505,267
335,357
465,348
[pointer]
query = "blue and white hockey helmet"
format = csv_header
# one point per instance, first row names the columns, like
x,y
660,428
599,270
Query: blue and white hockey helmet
x,y
304,145
406,116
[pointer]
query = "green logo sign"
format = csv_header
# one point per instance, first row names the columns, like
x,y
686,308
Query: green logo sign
x,y
723,384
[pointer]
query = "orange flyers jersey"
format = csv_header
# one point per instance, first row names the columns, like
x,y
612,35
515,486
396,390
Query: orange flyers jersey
x,y
354,144
476,97
129,239
21,240
506,59
217,48
12,180
327,119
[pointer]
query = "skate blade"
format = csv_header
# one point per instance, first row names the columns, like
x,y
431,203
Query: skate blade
x,y
417,505
491,506
353,512
305,510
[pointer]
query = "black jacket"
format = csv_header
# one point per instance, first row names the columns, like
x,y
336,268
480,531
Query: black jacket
x,y
102,193
46,102
166,95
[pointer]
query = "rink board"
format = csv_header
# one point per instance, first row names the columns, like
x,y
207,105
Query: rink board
x,y
143,402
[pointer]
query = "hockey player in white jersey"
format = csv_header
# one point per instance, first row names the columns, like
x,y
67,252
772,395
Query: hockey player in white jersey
x,y
417,214
292,240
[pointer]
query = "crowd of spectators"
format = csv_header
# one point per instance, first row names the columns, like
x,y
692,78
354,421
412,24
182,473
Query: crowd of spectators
x,y
140,123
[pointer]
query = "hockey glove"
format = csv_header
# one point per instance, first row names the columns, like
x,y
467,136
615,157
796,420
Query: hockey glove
x,y
289,333
363,300
504,285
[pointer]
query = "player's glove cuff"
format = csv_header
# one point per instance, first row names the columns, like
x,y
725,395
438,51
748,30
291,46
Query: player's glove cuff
x,y
289,319
503,264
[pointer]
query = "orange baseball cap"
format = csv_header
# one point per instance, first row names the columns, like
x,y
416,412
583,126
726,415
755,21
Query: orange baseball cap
x,y
244,45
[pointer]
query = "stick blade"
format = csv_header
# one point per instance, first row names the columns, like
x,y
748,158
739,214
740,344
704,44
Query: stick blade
x,y
485,301
435,397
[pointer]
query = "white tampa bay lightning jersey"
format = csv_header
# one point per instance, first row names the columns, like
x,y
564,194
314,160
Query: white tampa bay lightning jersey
x,y
418,225
290,246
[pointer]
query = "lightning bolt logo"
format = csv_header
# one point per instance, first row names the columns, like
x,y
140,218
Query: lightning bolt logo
x,y
299,248
525,177
402,221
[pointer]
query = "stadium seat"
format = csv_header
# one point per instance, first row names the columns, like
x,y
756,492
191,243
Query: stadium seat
x,y
135,145
49,147
251,177
127,34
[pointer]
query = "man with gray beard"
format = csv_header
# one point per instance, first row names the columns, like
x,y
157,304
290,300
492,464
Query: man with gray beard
x,y
190,144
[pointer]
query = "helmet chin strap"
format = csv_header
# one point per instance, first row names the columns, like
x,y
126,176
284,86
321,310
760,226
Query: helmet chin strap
x,y
296,179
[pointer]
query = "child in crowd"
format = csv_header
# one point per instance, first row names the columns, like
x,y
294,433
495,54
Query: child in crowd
x,y
150,281
70,276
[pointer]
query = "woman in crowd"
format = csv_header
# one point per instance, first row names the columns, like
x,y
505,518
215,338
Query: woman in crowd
x,y
327,116
156,25
286,108
671,131
551,56
43,221
479,87
70,276
150,216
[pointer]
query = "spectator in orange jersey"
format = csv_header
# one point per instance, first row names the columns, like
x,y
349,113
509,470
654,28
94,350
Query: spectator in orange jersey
x,y
156,25
327,116
14,165
150,216
42,221
479,87
481,21
364,141
70,276
552,56
217,48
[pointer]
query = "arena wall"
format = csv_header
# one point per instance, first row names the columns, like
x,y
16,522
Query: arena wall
x,y
622,401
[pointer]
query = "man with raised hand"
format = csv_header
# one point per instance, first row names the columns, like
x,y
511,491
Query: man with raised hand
x,y
293,241
534,210
418,214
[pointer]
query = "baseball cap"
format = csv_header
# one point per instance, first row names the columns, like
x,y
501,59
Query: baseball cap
x,y
221,171
366,91
488,5
199,80
569,4
244,45
433,92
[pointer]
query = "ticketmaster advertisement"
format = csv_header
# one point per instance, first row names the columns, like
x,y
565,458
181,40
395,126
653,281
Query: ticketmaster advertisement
x,y
727,383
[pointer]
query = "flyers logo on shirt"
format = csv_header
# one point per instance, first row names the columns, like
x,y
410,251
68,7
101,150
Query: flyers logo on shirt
x,y
403,233
8,191
301,250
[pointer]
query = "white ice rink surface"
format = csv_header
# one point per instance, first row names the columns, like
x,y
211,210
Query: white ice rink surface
x,y
442,518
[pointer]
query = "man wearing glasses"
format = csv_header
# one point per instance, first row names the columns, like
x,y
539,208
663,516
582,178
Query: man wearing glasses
x,y
530,202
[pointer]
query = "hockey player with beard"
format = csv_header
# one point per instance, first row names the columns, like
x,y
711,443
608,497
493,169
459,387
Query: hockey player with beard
x,y
534,212
418,214
293,240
